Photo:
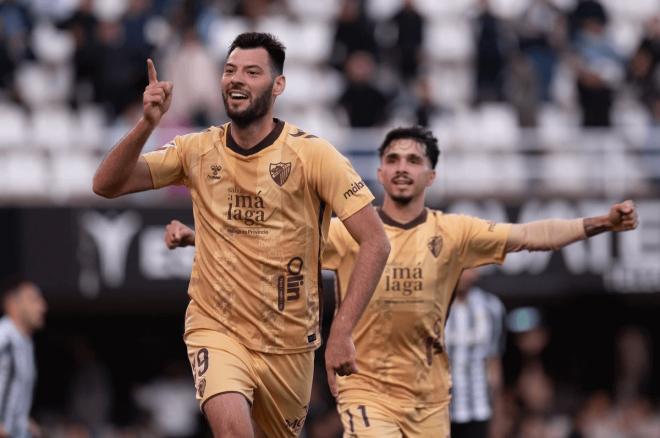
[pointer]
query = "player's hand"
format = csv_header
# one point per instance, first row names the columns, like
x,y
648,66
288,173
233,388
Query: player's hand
x,y
3,432
178,235
339,359
157,96
623,216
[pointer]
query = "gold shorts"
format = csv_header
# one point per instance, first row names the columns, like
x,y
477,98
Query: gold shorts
x,y
386,418
277,386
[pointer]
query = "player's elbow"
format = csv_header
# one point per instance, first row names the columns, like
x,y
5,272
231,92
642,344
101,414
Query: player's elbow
x,y
103,190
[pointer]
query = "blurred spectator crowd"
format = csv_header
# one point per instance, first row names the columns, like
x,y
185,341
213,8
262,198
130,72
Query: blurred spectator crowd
x,y
491,75
378,61
479,72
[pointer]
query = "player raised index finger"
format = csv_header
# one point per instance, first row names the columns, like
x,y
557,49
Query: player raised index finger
x,y
151,69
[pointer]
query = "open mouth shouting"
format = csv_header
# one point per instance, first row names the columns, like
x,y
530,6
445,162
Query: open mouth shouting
x,y
237,96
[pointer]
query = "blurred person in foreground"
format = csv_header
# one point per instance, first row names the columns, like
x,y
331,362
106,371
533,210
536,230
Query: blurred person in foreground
x,y
403,384
24,312
474,337
263,191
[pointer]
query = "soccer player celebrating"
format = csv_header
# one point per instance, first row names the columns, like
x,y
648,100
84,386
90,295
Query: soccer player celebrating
x,y
403,384
263,191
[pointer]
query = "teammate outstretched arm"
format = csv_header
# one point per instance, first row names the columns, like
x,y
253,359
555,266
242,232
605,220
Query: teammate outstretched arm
x,y
554,234
123,170
367,230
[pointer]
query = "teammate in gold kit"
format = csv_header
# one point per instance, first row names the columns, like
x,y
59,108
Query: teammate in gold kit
x,y
263,191
403,386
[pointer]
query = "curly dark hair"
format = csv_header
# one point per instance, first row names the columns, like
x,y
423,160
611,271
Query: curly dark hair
x,y
422,135
267,41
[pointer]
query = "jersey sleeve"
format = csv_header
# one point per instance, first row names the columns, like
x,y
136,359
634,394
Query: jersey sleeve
x,y
337,183
167,164
335,247
483,242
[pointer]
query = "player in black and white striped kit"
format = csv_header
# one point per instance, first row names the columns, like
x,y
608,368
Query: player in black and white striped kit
x,y
475,342
24,310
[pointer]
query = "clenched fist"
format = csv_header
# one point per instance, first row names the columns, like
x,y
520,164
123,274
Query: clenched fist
x,y
623,216
178,235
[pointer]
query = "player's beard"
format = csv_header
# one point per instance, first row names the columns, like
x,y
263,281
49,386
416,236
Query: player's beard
x,y
259,108
401,200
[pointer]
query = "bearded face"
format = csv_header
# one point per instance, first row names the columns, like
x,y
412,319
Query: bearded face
x,y
244,107
249,85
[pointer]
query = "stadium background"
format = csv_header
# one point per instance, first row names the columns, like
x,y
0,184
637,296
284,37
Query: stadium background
x,y
542,107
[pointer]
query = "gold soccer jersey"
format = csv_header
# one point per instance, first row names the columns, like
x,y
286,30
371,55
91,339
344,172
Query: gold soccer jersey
x,y
261,216
400,337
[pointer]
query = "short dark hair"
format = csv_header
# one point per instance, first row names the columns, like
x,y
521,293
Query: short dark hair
x,y
267,41
418,133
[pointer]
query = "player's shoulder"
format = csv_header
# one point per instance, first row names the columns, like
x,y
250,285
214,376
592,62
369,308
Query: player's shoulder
x,y
442,218
304,142
200,140
461,219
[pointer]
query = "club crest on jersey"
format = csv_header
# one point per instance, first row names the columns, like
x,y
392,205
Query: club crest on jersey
x,y
280,172
435,245
215,172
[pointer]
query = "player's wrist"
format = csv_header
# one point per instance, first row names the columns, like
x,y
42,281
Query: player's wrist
x,y
148,122
340,329
597,225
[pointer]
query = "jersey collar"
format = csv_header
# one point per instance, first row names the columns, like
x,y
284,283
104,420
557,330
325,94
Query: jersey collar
x,y
267,141
412,224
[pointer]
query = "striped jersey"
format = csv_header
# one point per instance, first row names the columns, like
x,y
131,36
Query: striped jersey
x,y
400,337
17,378
474,333
261,219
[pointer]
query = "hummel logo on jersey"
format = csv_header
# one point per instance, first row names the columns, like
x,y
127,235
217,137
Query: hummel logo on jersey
x,y
280,172
435,245
215,169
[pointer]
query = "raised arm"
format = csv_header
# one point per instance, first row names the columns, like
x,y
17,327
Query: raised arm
x,y
553,234
123,170
367,230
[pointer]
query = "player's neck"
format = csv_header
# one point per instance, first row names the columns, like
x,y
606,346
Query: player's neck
x,y
250,135
403,213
